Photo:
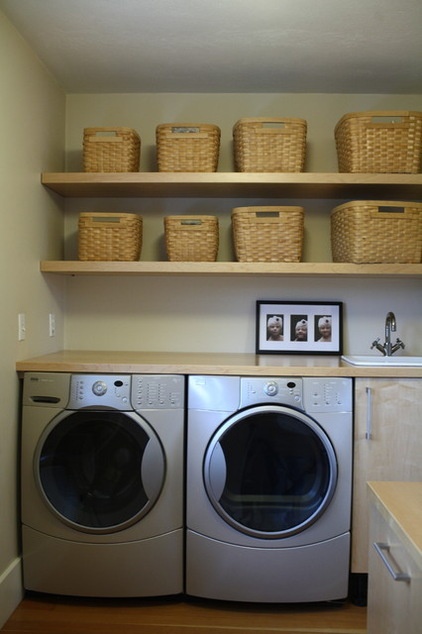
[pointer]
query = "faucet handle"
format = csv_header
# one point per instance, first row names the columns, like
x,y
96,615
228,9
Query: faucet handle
x,y
381,348
399,344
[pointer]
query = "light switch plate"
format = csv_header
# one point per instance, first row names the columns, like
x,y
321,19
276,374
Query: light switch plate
x,y
21,326
52,325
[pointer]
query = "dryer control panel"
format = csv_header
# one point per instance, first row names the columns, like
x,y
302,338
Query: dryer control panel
x,y
328,394
271,390
313,395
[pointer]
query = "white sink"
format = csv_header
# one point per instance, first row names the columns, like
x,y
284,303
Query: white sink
x,y
373,360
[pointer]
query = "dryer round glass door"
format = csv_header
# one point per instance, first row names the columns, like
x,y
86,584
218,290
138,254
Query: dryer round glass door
x,y
270,471
99,471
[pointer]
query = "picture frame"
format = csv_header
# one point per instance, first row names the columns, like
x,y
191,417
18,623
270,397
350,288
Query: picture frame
x,y
291,327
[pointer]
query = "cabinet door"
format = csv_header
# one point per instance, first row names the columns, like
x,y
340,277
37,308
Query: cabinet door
x,y
387,446
394,603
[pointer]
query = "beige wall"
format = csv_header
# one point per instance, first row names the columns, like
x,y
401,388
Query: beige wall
x,y
32,110
219,314
144,111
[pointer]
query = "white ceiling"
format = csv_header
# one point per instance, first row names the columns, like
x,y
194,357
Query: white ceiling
x,y
102,46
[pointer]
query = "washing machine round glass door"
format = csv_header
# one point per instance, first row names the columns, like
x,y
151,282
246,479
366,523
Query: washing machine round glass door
x,y
270,471
99,471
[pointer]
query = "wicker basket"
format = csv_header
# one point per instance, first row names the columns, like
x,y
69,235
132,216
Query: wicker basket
x,y
369,231
380,142
268,234
191,238
187,147
111,150
269,145
109,236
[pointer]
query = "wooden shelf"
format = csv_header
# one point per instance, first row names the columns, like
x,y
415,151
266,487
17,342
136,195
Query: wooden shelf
x,y
251,269
236,185
223,363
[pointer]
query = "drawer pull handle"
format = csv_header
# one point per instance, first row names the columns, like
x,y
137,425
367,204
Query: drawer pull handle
x,y
383,551
368,434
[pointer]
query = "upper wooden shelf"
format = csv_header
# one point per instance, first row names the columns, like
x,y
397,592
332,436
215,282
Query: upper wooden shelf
x,y
235,185
68,267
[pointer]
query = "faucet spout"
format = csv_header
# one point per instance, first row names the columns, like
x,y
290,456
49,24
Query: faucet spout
x,y
390,326
390,321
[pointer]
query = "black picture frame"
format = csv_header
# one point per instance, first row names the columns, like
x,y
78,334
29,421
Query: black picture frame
x,y
292,327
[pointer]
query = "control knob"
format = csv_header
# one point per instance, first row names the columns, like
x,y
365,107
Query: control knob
x,y
271,388
99,388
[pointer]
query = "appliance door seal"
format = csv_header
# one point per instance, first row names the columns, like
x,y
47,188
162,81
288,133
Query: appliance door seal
x,y
99,471
270,471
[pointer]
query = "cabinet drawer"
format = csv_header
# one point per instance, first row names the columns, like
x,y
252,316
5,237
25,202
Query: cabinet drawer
x,y
395,581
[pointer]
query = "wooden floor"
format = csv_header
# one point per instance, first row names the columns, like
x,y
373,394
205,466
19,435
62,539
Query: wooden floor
x,y
41,614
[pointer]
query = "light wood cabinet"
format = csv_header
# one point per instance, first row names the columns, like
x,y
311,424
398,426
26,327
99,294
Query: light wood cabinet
x,y
395,567
387,446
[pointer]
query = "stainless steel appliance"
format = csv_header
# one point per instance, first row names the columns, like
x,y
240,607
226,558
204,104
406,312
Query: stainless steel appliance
x,y
102,484
269,482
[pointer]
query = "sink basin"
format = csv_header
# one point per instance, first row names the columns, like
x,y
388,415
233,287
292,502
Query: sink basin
x,y
373,360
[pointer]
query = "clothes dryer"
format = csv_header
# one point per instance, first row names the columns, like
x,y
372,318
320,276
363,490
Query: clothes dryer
x,y
269,483
102,484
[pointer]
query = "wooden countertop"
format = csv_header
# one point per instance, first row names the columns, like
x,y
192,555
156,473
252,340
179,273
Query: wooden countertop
x,y
400,503
205,363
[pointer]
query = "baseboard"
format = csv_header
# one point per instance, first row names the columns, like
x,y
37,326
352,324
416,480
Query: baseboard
x,y
11,589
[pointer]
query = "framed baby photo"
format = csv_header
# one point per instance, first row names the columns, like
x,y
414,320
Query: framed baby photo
x,y
298,327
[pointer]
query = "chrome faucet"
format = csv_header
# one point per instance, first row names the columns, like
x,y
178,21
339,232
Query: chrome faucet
x,y
390,326
388,348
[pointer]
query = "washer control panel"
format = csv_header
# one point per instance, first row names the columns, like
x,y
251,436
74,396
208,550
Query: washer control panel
x,y
271,390
102,391
158,391
126,392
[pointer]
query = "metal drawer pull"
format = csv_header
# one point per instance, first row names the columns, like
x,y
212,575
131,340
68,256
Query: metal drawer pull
x,y
368,434
384,551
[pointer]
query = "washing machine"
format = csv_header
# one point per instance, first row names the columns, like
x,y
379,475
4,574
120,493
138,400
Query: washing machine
x,y
102,484
269,484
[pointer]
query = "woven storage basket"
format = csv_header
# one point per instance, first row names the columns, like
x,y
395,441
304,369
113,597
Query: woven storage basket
x,y
269,145
380,142
191,238
368,231
268,234
111,150
187,147
109,236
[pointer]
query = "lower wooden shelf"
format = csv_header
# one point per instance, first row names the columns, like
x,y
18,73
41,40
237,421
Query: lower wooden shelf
x,y
76,267
218,363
